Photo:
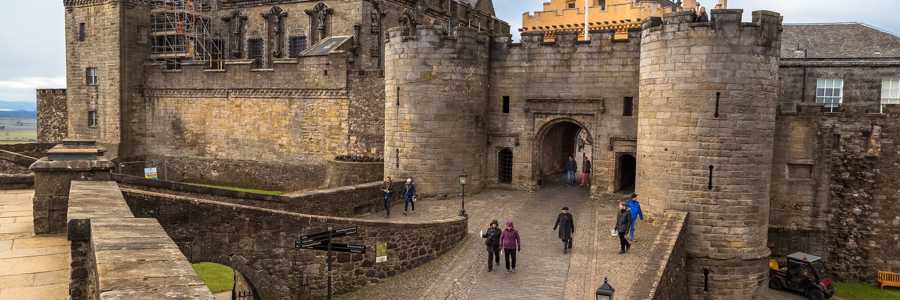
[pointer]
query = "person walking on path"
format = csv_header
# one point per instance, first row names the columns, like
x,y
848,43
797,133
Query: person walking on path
x,y
409,196
586,172
571,167
622,221
492,241
566,224
635,208
510,242
386,188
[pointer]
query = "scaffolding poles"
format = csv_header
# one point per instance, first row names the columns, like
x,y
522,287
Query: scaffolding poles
x,y
181,32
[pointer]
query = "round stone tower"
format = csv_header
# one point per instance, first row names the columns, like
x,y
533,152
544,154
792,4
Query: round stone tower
x,y
435,107
708,94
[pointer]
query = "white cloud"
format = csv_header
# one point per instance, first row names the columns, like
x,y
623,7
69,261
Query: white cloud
x,y
31,83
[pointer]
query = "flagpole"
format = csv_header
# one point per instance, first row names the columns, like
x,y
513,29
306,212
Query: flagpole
x,y
586,17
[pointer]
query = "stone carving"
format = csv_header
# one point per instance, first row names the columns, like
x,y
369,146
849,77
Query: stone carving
x,y
408,23
275,30
236,23
318,21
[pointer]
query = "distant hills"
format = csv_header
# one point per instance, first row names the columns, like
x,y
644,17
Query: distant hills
x,y
17,109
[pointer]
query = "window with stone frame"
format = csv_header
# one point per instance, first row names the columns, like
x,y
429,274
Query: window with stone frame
x,y
601,4
92,118
82,32
90,76
628,107
890,92
570,3
296,44
830,92
255,52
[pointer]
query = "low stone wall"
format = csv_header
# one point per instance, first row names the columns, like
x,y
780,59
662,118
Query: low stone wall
x,y
344,173
16,181
664,277
117,256
51,193
36,150
259,243
274,176
346,201
16,158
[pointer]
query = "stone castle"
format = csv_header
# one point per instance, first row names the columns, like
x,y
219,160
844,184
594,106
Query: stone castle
x,y
773,137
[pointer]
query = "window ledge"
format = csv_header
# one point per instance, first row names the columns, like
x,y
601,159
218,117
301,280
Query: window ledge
x,y
214,70
171,71
262,70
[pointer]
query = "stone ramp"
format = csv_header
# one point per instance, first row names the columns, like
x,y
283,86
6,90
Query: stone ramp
x,y
544,272
31,267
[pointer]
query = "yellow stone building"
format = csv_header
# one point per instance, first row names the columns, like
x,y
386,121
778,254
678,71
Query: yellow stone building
x,y
618,15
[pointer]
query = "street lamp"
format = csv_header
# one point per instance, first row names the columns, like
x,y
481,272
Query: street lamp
x,y
606,291
462,203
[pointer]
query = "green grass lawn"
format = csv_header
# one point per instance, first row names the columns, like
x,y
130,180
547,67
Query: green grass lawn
x,y
864,291
218,278
17,136
237,189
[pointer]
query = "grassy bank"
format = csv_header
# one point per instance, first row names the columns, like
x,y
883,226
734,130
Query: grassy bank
x,y
218,278
237,189
864,291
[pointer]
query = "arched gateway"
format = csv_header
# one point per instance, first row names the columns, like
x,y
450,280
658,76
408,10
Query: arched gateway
x,y
555,143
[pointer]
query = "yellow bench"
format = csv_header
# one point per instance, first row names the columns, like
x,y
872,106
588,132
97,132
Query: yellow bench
x,y
888,279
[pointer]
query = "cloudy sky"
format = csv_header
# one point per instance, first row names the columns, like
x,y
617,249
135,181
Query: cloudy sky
x,y
32,54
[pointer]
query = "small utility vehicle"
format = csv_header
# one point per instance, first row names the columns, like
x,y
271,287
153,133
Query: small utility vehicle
x,y
802,273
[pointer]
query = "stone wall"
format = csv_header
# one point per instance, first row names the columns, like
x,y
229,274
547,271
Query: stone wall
x,y
36,150
265,175
664,277
259,243
435,92
344,173
705,140
52,115
824,180
345,201
584,83
115,255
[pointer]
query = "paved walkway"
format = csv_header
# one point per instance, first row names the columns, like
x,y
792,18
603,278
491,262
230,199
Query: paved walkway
x,y
544,272
31,267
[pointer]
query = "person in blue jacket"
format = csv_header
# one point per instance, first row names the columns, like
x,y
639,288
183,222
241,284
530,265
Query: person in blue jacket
x,y
635,207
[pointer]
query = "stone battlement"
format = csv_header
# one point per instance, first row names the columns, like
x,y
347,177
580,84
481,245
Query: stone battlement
x,y
436,33
536,39
42,92
724,21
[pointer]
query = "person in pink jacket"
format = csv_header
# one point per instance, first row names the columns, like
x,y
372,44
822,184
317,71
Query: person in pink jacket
x,y
509,241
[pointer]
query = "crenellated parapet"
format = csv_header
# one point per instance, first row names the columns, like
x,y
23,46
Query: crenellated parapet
x,y
706,132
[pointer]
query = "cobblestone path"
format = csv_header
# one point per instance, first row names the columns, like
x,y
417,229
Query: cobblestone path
x,y
31,267
543,271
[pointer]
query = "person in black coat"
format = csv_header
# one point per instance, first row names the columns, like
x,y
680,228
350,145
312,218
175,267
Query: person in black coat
x,y
566,224
623,222
492,241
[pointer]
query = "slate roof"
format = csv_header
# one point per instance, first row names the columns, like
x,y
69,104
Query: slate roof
x,y
327,45
838,40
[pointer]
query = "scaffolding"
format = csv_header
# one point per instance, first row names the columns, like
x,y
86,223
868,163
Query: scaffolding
x,y
181,32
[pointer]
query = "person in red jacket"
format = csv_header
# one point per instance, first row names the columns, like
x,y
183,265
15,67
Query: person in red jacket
x,y
510,242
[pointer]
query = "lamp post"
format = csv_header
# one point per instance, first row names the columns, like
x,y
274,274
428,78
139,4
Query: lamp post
x,y
606,291
462,203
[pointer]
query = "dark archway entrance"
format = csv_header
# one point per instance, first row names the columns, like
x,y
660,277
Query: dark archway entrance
x,y
626,167
557,142
505,165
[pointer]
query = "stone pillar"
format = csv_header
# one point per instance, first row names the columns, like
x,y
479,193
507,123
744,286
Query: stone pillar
x,y
71,160
705,141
